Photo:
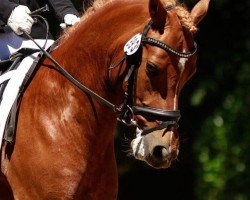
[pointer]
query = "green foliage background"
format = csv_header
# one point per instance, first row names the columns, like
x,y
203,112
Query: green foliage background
x,y
222,99
214,156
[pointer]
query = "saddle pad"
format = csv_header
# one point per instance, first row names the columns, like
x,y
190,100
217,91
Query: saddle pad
x,y
15,79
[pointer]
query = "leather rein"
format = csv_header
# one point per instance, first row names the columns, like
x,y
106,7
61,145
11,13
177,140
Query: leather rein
x,y
133,55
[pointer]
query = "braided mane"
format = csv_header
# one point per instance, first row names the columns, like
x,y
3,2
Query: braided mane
x,y
180,9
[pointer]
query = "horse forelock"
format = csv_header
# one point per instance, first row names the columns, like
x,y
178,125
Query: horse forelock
x,y
185,18
183,14
181,11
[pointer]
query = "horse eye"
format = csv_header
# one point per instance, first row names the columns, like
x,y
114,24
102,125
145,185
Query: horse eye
x,y
152,69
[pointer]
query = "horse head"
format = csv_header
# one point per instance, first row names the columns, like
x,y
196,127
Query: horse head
x,y
164,60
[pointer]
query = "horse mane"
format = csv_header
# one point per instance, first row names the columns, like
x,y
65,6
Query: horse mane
x,y
183,14
96,5
181,11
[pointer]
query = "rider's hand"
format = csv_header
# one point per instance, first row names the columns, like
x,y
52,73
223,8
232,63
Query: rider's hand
x,y
20,20
71,19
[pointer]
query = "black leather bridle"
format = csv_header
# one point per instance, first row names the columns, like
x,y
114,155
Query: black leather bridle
x,y
128,109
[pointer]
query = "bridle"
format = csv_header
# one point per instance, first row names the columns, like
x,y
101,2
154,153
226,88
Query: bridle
x,y
133,56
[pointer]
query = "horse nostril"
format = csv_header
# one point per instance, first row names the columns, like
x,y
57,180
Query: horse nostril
x,y
160,152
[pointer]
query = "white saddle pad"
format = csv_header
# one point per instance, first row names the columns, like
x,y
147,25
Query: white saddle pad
x,y
15,79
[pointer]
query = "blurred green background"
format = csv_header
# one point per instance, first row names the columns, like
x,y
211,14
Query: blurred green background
x,y
214,160
214,130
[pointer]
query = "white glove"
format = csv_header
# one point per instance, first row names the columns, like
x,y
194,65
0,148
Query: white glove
x,y
71,19
20,20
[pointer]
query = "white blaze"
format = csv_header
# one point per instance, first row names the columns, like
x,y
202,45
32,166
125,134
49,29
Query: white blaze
x,y
181,65
138,145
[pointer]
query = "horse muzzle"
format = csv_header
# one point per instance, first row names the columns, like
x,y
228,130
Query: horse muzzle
x,y
158,148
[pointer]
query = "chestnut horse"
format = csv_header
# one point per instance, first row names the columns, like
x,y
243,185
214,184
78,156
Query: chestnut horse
x,y
64,146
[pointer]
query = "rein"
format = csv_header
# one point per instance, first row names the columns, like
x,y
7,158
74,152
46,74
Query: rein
x,y
72,79
133,55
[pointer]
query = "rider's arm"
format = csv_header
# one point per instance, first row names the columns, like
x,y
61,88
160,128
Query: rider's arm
x,y
16,16
62,8
6,7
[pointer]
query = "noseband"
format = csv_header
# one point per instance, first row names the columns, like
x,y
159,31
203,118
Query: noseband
x,y
133,55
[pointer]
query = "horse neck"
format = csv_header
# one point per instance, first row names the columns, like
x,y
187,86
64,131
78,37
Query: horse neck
x,y
91,73
98,42
90,50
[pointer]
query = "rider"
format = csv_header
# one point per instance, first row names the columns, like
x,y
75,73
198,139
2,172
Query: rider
x,y
16,22
15,14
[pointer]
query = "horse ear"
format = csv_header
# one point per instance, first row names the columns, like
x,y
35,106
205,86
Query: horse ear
x,y
199,11
158,14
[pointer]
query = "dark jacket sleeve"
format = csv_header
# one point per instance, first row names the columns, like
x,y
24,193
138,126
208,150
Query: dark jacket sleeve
x,y
6,8
63,7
